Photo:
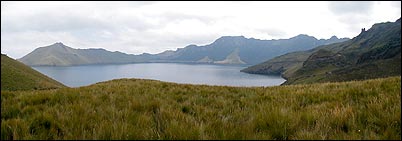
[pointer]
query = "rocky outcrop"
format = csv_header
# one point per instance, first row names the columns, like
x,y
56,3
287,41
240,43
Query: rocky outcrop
x,y
232,58
206,59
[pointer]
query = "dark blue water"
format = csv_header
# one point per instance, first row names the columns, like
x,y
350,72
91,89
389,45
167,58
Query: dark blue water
x,y
76,76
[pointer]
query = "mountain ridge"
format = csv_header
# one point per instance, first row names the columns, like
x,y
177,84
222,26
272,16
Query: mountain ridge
x,y
250,51
371,54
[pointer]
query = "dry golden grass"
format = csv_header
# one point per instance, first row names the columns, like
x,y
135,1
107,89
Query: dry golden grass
x,y
147,109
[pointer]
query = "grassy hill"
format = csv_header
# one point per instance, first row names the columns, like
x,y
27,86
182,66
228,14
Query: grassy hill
x,y
284,65
374,53
148,109
17,76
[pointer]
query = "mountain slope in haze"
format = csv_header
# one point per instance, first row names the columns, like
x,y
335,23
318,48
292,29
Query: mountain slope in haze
x,y
373,53
232,58
250,51
246,51
284,65
59,54
17,76
206,59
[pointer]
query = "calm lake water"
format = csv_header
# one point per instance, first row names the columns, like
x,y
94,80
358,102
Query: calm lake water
x,y
76,76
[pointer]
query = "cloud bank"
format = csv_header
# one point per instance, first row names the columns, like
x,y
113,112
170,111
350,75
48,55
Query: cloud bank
x,y
153,27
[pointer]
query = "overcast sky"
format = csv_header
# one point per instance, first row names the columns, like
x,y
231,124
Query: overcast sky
x,y
153,27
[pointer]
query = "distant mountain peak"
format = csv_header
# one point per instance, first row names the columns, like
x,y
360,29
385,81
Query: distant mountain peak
x,y
241,36
192,45
59,43
302,36
231,37
226,39
59,54
333,38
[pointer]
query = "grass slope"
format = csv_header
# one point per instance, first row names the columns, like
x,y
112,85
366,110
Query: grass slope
x,y
17,76
284,65
372,54
375,53
147,109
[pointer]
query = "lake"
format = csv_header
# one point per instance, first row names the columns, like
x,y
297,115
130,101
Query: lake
x,y
76,76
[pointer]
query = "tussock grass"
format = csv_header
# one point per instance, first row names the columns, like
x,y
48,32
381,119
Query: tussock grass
x,y
148,109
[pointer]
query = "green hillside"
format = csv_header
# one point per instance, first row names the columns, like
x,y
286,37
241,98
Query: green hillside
x,y
284,65
17,76
148,109
374,53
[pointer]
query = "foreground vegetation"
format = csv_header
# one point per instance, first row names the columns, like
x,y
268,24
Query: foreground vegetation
x,y
148,109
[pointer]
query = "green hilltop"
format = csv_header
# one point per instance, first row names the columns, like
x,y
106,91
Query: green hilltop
x,y
17,76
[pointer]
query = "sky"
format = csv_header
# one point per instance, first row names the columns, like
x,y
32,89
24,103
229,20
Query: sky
x,y
154,26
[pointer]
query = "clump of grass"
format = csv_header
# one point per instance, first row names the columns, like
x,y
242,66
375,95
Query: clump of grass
x,y
147,109
45,127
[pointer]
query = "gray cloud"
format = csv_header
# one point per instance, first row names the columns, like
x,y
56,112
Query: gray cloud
x,y
152,27
354,14
351,7
354,22
274,32
70,20
396,4
354,19
51,22
175,17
